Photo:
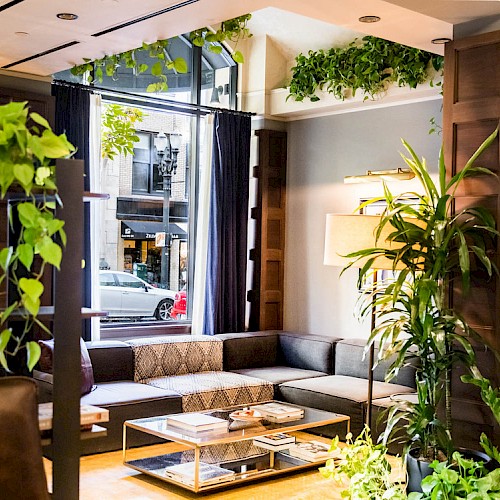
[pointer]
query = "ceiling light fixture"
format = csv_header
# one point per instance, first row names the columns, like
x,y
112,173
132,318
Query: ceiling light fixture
x,y
440,41
369,19
67,16
21,33
398,174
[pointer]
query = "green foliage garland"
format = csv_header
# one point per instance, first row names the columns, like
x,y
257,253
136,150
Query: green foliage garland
x,y
118,130
232,30
369,65
28,147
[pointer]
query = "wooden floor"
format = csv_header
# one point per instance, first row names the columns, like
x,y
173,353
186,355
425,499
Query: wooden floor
x,y
104,477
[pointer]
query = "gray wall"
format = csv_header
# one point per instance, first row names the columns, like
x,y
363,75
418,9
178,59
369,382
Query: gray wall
x,y
321,151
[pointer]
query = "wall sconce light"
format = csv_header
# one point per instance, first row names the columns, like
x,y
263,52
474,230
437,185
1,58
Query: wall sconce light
x,y
398,174
215,94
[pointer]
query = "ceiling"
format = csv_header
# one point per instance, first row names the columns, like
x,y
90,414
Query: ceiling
x,y
33,40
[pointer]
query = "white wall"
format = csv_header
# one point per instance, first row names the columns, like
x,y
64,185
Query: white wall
x,y
321,151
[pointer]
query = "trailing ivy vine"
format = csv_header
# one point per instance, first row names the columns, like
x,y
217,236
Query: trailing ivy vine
x,y
118,132
28,147
233,30
369,65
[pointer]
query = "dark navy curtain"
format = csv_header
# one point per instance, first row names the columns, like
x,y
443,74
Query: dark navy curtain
x,y
225,292
73,118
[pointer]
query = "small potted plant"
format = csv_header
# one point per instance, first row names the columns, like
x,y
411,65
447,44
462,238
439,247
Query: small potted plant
x,y
365,468
433,246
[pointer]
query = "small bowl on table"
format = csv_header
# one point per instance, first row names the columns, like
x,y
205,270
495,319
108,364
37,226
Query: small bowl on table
x,y
246,415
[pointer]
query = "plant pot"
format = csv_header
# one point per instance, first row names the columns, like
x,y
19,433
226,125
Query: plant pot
x,y
416,470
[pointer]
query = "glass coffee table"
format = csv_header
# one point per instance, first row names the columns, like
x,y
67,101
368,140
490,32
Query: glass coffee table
x,y
202,461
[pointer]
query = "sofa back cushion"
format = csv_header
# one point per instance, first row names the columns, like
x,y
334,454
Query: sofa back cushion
x,y
307,352
112,360
349,361
249,350
175,355
47,359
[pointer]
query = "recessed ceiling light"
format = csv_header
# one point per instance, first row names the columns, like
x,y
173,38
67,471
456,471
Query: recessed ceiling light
x,y
21,33
66,16
369,19
440,41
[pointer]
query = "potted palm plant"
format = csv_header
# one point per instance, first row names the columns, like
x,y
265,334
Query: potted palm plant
x,y
433,246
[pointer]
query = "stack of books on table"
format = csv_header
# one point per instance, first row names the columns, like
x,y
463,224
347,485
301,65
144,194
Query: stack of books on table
x,y
89,415
312,451
208,473
275,442
197,422
278,412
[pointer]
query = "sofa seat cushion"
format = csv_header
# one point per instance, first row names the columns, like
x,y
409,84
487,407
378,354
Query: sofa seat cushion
x,y
214,389
279,374
127,401
339,394
175,355
125,392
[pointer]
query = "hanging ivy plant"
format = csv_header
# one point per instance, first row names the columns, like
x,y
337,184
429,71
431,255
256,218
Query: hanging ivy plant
x,y
369,65
119,134
232,30
28,147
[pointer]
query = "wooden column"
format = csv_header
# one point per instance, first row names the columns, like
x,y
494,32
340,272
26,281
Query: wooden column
x,y
471,113
266,296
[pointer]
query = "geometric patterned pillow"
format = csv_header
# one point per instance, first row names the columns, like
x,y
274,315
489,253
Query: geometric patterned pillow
x,y
175,355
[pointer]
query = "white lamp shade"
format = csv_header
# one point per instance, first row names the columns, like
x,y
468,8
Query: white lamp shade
x,y
175,141
161,142
350,233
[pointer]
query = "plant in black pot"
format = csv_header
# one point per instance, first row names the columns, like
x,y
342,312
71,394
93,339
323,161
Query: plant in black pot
x,y
432,246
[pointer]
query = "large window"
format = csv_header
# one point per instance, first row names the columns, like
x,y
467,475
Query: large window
x,y
134,219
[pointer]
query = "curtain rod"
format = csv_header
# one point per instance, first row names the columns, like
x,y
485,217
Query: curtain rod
x,y
197,108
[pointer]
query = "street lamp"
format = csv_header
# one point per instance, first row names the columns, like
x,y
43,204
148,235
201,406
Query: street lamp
x,y
167,149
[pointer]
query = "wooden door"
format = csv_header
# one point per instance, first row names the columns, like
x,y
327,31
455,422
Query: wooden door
x,y
471,113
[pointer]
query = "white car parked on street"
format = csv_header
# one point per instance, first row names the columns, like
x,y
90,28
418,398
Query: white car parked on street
x,y
125,295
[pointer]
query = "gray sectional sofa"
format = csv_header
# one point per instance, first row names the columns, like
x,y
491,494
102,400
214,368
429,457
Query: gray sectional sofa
x,y
162,375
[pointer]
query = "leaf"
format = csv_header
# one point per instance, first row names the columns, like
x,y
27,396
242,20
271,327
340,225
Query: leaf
x,y
5,257
54,146
31,287
24,173
28,214
157,69
24,252
33,352
4,338
180,65
216,49
51,252
39,119
238,57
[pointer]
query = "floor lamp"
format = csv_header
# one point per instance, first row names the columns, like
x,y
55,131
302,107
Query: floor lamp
x,y
345,234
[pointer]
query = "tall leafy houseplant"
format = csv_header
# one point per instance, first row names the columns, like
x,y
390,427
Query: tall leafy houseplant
x,y
434,246
28,147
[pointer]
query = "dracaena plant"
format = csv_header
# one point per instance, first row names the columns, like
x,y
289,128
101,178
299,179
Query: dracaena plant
x,y
28,147
433,245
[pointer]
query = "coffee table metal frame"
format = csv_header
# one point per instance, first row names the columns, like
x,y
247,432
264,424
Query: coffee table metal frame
x,y
157,426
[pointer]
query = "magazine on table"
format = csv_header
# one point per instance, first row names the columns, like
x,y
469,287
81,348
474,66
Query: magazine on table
x,y
276,442
208,473
278,412
312,451
197,422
